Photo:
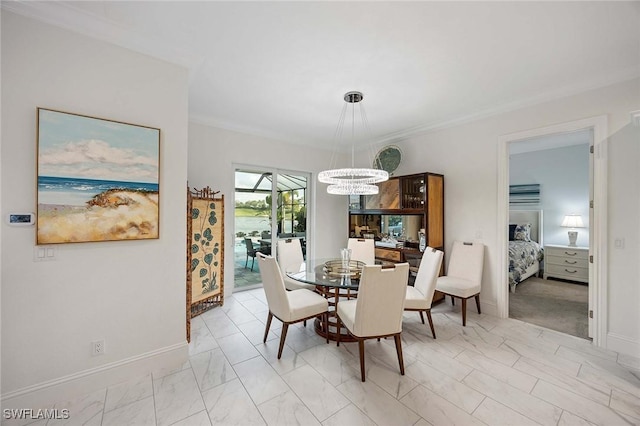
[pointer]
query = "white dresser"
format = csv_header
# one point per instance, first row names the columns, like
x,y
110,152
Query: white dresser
x,y
567,263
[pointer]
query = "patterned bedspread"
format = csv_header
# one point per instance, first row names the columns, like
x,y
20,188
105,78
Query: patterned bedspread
x,y
522,254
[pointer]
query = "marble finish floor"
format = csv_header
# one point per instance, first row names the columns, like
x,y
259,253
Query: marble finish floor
x,y
494,372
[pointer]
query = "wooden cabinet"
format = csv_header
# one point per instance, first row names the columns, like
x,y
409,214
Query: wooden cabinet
x,y
403,206
567,263
388,196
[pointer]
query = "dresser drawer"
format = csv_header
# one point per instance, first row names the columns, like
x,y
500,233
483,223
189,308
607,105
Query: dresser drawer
x,y
386,254
566,252
575,262
567,272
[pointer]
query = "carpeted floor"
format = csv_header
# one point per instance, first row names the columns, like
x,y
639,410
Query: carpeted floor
x,y
558,305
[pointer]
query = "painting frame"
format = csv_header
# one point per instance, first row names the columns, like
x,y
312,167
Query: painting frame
x,y
97,179
524,195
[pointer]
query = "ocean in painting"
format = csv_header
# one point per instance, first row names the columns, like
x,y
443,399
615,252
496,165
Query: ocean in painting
x,y
77,191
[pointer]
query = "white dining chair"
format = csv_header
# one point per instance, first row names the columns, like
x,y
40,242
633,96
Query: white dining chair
x,y
463,279
377,312
420,296
363,250
289,307
291,259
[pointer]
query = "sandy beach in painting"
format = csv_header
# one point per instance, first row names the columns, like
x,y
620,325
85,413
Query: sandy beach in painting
x,y
115,214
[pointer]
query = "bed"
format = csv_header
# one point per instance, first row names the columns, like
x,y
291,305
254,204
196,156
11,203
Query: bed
x,y
525,245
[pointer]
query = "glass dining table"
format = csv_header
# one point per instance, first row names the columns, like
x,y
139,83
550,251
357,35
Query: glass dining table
x,y
335,281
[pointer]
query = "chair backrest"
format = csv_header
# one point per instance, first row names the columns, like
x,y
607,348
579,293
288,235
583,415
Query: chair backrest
x,y
380,303
273,285
249,244
428,272
467,261
290,256
363,250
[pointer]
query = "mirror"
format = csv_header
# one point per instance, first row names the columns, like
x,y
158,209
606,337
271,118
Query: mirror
x,y
401,227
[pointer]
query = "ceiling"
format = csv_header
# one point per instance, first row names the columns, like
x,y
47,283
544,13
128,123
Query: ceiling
x,y
280,69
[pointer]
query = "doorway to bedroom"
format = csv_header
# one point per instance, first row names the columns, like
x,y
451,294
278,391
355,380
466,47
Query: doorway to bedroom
x,y
549,194
594,220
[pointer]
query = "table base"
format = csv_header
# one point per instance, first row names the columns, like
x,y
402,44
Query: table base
x,y
333,326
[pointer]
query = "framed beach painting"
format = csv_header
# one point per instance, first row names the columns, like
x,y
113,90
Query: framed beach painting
x,y
98,179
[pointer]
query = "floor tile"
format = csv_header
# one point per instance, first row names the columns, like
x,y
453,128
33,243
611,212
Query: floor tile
x,y
322,399
287,409
229,404
377,404
626,403
436,409
508,375
452,390
350,415
595,391
211,369
176,397
237,348
522,402
140,413
85,410
260,380
128,392
576,404
201,418
494,413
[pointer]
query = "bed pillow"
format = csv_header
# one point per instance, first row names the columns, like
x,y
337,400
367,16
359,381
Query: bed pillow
x,y
522,232
512,230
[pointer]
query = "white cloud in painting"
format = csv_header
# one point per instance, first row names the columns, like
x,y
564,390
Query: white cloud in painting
x,y
97,159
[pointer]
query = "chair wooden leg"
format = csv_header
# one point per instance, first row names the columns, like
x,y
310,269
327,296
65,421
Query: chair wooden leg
x,y
361,349
453,301
398,340
338,327
433,330
478,303
285,326
421,316
266,330
326,325
304,323
464,312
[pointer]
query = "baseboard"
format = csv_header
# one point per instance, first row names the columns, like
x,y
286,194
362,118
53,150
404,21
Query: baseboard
x,y
45,394
623,344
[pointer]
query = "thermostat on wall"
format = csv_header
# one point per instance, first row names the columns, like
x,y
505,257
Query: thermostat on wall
x,y
21,219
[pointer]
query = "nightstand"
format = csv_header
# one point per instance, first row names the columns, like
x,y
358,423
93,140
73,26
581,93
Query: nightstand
x,y
567,263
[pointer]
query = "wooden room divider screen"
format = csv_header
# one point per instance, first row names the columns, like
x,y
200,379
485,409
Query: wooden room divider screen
x,y
205,252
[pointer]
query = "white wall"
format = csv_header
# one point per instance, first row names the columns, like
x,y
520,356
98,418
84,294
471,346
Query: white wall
x,y
624,228
467,155
130,293
214,152
563,175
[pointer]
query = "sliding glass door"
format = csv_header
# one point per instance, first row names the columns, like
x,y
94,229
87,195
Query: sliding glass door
x,y
269,204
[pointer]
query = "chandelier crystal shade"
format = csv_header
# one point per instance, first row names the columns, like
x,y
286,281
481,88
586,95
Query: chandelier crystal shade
x,y
352,180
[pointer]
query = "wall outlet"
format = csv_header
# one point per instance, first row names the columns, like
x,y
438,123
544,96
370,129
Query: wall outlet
x,y
97,347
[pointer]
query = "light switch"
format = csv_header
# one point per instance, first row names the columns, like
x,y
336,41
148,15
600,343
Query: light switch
x,y
44,253
618,243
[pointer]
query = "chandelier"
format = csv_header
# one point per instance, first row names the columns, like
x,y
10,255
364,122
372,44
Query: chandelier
x,y
352,180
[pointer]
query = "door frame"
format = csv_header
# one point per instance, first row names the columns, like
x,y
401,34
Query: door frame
x,y
598,283
275,171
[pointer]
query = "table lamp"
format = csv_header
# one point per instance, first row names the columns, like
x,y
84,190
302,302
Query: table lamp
x,y
572,221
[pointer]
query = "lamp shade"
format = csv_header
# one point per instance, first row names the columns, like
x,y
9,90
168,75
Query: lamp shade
x,y
572,221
